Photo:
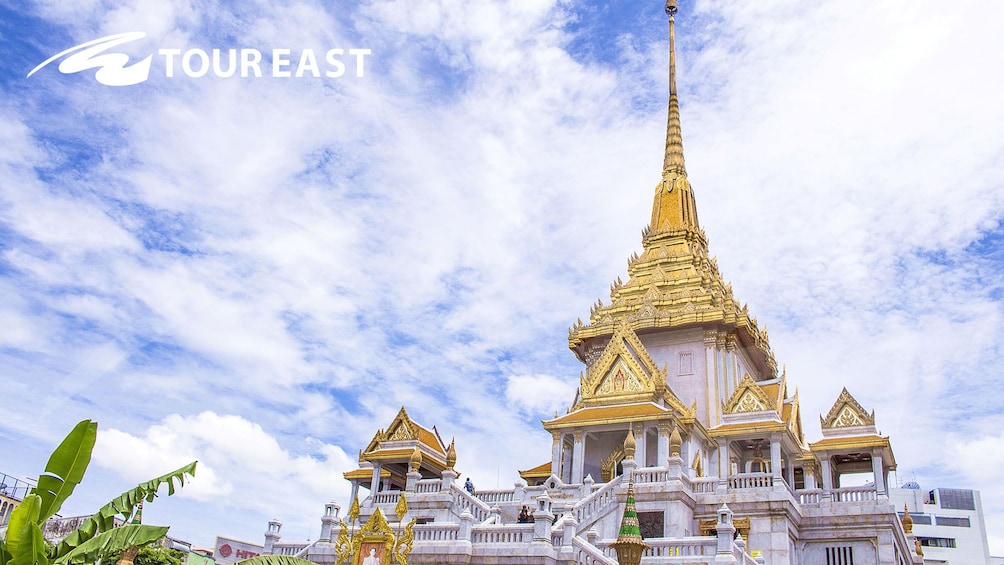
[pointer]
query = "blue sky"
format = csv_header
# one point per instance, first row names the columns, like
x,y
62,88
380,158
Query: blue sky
x,y
257,273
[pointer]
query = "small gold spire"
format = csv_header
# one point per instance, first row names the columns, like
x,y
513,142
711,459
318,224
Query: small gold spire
x,y
675,442
416,459
673,161
674,207
907,520
451,455
629,444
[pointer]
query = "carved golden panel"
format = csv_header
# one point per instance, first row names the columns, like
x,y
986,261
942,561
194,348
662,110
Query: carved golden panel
x,y
846,413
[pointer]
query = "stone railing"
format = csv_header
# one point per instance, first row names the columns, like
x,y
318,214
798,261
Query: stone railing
x,y
676,547
291,549
751,480
463,500
854,494
429,485
302,554
650,475
587,510
742,558
436,532
496,496
588,554
387,497
704,485
809,496
512,533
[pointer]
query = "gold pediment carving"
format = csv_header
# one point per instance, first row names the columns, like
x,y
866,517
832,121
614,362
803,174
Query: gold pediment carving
x,y
624,372
847,413
742,526
402,428
619,379
748,397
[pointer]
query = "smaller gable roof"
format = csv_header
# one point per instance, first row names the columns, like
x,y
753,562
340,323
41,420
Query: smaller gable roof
x,y
750,397
846,413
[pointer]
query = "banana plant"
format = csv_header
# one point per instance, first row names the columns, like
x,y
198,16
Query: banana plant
x,y
275,560
97,536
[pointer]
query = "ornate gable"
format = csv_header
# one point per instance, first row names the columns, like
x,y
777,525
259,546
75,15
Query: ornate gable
x,y
748,397
846,413
404,429
625,372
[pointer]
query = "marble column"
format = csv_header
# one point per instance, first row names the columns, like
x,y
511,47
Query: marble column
x,y
775,455
556,444
877,471
724,460
809,472
355,491
641,447
578,452
662,455
375,481
824,470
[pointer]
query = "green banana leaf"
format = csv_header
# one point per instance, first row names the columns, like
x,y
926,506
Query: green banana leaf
x,y
20,540
65,468
5,556
274,560
123,505
111,541
31,550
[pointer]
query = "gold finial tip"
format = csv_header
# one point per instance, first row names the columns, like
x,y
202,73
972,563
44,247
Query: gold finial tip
x,y
671,7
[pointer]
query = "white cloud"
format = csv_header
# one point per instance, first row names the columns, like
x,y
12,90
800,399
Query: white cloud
x,y
305,257
242,468
539,394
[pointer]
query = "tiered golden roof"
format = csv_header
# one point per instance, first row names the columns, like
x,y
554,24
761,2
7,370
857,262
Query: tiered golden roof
x,y
674,282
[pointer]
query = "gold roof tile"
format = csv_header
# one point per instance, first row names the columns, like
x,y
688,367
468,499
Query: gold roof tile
x,y
608,414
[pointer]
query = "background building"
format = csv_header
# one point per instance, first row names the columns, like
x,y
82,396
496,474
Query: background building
x,y
948,522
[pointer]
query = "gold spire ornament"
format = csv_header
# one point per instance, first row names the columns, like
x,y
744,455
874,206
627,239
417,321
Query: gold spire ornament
x,y
629,545
675,442
674,207
629,445
451,455
673,161
402,507
354,510
416,459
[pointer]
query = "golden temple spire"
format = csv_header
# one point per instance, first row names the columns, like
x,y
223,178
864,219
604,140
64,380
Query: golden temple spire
x,y
674,132
674,207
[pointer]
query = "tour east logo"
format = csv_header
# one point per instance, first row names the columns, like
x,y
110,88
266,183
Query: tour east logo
x,y
115,68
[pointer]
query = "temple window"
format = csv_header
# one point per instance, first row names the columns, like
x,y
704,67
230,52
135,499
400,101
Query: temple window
x,y
686,363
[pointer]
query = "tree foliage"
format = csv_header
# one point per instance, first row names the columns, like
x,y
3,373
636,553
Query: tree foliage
x,y
275,560
97,536
152,554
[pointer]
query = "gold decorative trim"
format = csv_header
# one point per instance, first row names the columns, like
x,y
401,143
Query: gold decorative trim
x,y
748,397
846,413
